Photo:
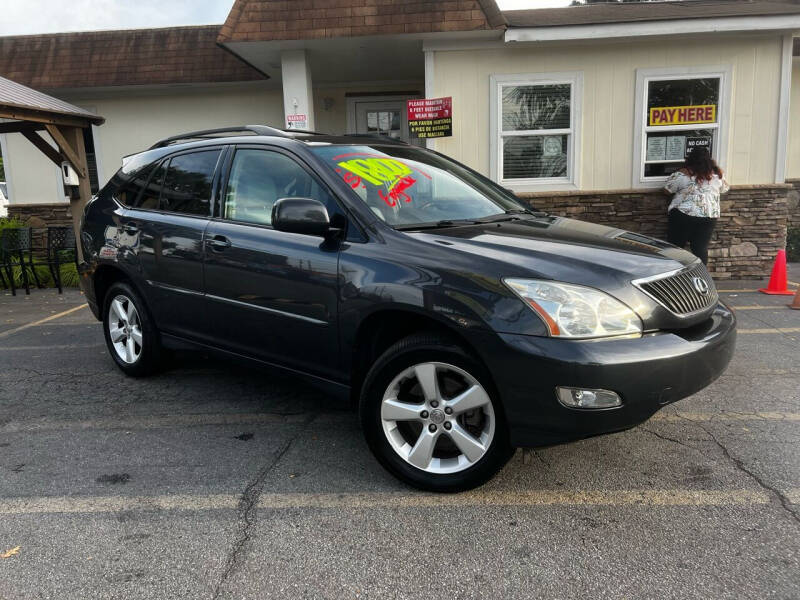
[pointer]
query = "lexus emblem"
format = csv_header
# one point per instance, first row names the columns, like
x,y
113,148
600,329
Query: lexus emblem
x,y
700,285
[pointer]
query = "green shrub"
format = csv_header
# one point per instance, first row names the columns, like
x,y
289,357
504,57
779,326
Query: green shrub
x,y
10,223
793,244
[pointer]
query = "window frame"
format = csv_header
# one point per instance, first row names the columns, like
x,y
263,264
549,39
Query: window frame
x,y
641,128
574,140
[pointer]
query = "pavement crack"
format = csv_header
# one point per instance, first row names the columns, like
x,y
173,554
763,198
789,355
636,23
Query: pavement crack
x,y
739,464
666,438
247,515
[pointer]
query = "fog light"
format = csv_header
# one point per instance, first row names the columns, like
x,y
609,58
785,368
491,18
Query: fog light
x,y
578,398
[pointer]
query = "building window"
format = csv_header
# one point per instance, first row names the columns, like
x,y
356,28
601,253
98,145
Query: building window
x,y
535,130
678,110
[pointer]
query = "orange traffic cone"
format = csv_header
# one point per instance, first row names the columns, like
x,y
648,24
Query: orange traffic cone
x,y
795,305
778,279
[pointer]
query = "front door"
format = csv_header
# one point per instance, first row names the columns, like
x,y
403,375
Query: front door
x,y
382,117
271,294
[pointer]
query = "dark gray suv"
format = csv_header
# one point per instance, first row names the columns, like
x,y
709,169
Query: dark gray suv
x,y
462,322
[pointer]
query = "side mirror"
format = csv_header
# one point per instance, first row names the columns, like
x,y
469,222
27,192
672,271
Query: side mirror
x,y
301,215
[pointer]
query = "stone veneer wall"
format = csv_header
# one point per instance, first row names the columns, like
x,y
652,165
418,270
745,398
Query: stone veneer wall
x,y
794,203
749,233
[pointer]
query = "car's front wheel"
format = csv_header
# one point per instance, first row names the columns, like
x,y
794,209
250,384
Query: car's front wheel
x,y
131,336
431,416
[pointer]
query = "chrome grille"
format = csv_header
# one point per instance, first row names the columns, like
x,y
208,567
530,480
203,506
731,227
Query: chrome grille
x,y
678,291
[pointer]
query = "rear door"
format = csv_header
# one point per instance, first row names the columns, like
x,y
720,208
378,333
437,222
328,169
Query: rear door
x,y
272,294
165,231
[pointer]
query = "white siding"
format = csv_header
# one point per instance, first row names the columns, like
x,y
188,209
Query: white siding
x,y
134,121
793,156
609,96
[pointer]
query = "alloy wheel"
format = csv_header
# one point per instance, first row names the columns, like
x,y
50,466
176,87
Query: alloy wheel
x,y
125,329
438,417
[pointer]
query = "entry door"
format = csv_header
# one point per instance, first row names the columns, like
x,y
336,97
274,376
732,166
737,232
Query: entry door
x,y
271,294
382,117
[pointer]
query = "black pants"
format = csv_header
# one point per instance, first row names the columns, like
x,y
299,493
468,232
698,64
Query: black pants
x,y
695,230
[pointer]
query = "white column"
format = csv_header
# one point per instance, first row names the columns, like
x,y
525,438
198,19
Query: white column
x,y
783,109
430,82
298,98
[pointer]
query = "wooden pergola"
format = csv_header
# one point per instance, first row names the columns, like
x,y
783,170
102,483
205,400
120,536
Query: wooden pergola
x,y
29,112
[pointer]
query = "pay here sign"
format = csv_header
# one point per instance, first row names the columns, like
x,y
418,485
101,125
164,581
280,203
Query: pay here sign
x,y
683,115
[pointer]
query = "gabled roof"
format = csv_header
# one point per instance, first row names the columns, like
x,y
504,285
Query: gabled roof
x,y
21,101
265,20
629,12
116,58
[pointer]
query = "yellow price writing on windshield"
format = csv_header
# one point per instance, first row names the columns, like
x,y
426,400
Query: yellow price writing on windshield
x,y
377,170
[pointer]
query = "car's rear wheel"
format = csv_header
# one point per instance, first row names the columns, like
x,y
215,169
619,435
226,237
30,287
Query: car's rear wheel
x,y
431,416
131,336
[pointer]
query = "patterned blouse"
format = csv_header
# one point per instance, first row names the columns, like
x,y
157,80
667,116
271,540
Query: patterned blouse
x,y
693,198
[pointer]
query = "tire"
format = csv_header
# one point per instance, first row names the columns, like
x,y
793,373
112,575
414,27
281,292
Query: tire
x,y
143,356
402,419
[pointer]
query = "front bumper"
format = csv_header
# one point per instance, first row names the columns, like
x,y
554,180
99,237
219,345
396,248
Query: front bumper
x,y
647,372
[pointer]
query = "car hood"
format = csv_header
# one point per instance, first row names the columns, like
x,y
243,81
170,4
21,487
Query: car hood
x,y
571,251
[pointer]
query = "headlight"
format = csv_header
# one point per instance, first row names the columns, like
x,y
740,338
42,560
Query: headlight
x,y
575,311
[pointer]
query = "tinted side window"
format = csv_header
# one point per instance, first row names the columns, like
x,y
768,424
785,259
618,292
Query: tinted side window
x,y
187,184
152,189
126,190
259,178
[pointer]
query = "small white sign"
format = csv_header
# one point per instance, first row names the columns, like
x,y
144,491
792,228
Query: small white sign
x,y
296,122
676,145
656,148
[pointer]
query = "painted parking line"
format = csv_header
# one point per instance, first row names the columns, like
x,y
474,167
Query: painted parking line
x,y
726,416
55,347
393,500
770,330
155,422
40,321
200,420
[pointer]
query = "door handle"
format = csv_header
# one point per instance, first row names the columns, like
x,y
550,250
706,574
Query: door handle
x,y
218,242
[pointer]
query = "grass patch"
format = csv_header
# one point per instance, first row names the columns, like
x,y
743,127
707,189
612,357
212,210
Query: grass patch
x,y
68,270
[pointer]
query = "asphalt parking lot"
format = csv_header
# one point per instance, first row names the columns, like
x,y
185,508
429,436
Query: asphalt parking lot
x,y
215,481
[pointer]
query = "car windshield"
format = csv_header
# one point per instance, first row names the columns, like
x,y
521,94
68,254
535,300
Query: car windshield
x,y
409,188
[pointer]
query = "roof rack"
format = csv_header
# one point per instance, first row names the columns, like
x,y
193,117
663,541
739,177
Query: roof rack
x,y
212,133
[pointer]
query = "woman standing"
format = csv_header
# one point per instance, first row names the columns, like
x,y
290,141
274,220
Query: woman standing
x,y
694,209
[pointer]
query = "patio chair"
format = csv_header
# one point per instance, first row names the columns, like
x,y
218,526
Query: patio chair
x,y
15,245
60,250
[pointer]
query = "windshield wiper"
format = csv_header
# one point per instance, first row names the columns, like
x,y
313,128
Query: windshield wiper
x,y
438,224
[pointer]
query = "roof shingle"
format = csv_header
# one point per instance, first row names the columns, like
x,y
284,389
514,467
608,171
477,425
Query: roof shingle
x,y
263,20
117,58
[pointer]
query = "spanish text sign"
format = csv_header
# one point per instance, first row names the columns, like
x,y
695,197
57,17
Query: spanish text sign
x,y
430,117
683,115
